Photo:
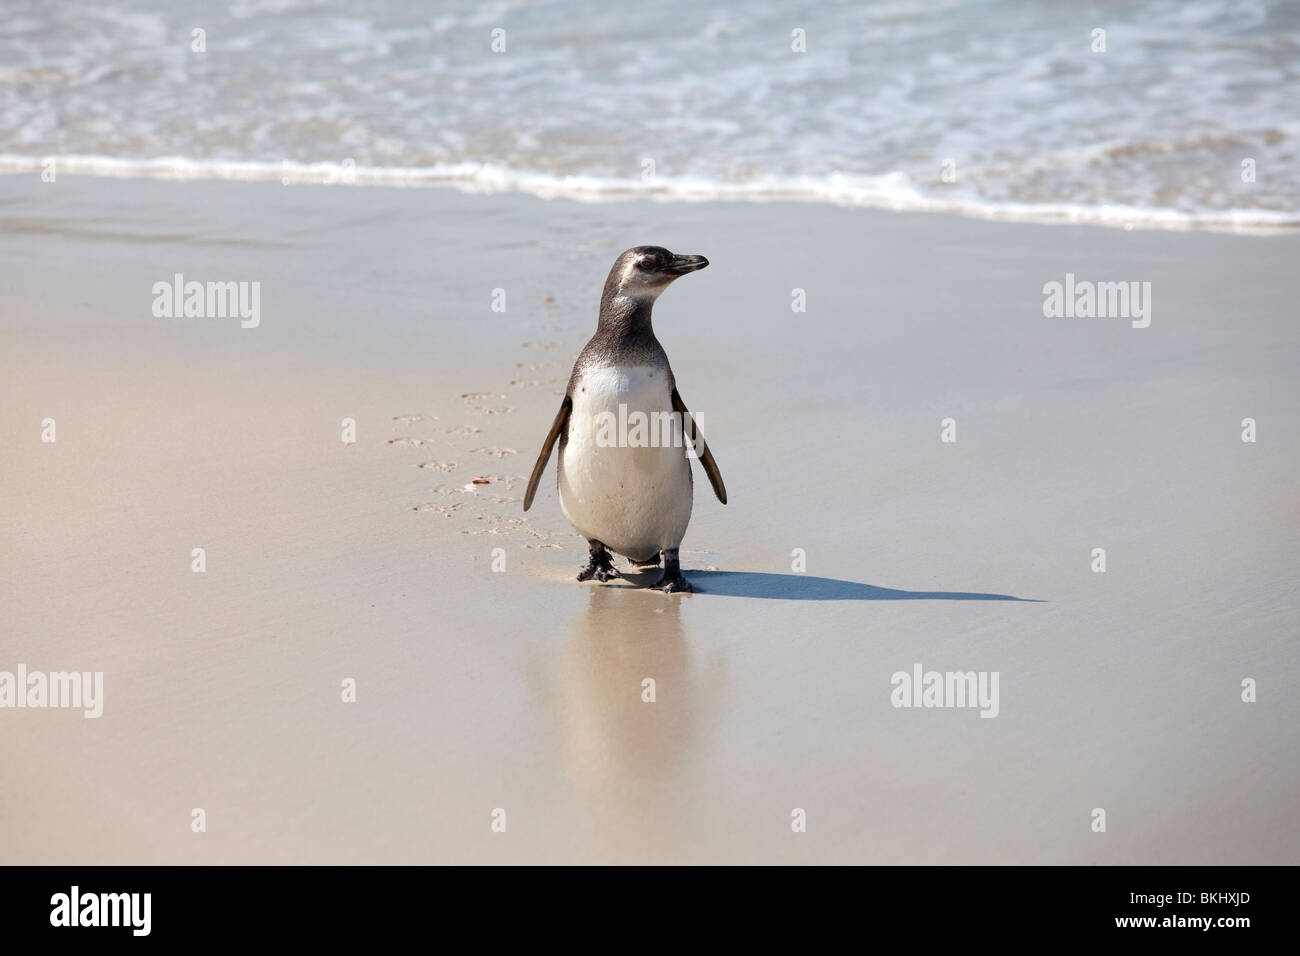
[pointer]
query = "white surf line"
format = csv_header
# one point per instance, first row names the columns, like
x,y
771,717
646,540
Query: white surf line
x,y
890,191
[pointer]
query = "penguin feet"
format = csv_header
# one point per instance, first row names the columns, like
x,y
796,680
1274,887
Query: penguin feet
x,y
673,585
673,582
600,565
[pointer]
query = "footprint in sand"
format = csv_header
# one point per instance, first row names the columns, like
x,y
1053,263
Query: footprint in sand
x,y
410,442
473,398
508,480
465,431
439,465
449,490
500,524
410,419
494,452
445,510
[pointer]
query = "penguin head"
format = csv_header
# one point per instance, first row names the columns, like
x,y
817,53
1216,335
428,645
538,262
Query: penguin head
x,y
643,272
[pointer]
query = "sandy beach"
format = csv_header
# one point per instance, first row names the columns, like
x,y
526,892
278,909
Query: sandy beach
x,y
491,680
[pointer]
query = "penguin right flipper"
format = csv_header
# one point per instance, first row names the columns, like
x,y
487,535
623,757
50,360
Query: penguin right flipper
x,y
701,446
561,422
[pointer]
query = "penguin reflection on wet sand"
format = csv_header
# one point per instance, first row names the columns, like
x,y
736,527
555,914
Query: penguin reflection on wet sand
x,y
630,498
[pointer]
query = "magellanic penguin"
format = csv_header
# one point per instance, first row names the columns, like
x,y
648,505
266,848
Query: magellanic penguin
x,y
632,497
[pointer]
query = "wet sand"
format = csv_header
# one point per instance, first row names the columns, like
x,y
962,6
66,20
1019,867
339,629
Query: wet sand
x,y
522,689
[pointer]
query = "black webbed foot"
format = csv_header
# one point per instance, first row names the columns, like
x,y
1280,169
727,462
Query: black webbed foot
x,y
600,565
672,582
673,585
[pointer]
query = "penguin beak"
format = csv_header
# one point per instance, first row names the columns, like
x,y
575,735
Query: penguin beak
x,y
684,264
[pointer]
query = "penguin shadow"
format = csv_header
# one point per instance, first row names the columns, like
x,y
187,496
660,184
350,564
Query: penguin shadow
x,y
803,587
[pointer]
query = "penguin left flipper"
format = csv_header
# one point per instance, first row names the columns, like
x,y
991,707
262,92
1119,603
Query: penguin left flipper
x,y
558,426
701,447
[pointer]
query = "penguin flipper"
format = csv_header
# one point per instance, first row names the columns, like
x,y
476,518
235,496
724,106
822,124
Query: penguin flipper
x,y
560,423
701,447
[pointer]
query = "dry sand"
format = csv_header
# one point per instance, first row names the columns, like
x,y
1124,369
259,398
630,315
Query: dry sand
x,y
521,690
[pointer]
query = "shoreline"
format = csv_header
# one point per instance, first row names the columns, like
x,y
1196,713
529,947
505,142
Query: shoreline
x,y
889,192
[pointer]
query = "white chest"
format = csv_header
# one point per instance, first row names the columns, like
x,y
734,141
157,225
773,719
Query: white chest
x,y
622,481
641,388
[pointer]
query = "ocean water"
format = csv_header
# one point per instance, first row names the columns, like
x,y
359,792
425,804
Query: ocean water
x,y
999,109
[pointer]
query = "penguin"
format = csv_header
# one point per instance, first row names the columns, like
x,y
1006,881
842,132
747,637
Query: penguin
x,y
628,493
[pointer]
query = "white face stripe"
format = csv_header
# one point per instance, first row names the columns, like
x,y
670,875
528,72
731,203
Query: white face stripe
x,y
639,286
